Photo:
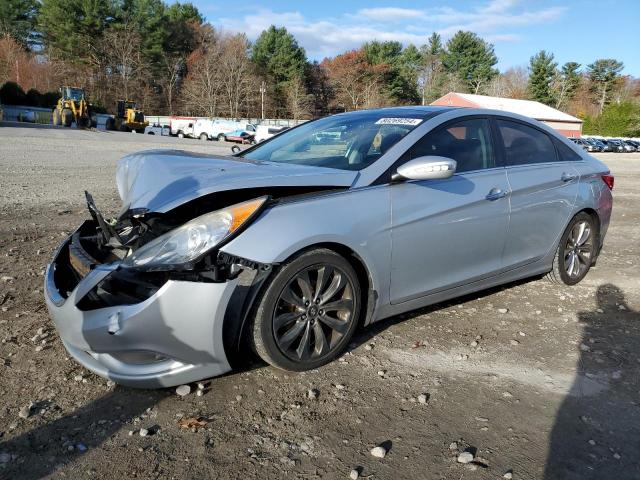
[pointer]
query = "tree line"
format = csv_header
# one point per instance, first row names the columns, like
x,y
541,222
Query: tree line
x,y
169,60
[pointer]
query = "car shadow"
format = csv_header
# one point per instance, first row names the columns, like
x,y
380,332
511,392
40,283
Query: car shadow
x,y
42,450
597,430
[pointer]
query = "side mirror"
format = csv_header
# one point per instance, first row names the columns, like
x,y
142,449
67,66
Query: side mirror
x,y
426,168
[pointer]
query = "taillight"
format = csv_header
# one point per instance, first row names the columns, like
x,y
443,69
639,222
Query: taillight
x,y
608,179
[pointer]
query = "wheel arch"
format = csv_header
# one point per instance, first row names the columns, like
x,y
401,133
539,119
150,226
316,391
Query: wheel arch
x,y
593,213
235,327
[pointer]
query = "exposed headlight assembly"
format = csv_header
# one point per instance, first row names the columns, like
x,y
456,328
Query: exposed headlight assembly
x,y
192,240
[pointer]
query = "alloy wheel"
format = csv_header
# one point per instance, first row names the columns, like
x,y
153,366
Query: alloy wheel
x,y
578,251
313,312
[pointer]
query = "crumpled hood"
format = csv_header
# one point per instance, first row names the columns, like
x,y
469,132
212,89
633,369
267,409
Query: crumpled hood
x,y
160,180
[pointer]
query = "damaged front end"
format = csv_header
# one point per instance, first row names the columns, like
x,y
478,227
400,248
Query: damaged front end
x,y
196,256
133,304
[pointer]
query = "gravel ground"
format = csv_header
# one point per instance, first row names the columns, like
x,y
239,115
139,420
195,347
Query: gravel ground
x,y
533,380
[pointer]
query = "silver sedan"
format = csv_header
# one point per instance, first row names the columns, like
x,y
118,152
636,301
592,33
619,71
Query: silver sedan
x,y
285,248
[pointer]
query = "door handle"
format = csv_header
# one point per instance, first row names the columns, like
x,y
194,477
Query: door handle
x,y
567,177
495,194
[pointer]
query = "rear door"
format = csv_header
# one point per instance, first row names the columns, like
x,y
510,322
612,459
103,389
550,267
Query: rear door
x,y
449,232
544,186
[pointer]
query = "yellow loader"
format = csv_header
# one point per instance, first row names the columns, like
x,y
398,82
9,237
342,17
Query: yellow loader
x,y
72,107
128,118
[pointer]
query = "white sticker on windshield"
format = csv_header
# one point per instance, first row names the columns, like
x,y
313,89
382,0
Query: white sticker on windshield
x,y
399,121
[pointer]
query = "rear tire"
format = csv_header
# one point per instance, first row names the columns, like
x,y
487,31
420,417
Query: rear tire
x,y
576,251
180,135
204,137
308,311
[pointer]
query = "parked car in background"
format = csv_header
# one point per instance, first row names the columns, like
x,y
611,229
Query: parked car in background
x,y
241,136
615,145
289,246
603,146
586,144
630,146
209,129
163,130
263,132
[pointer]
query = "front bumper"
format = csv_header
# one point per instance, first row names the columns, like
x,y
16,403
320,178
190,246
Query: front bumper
x,y
173,337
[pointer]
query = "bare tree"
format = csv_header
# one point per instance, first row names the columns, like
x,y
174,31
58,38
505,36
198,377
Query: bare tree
x,y
510,84
202,88
235,72
121,48
173,67
298,101
355,81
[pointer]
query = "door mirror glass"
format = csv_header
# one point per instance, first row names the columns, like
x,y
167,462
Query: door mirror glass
x,y
426,168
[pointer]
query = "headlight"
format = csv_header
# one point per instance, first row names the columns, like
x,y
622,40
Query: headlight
x,y
196,237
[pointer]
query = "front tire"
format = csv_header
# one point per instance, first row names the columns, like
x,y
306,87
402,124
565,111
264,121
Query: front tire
x,y
308,313
221,138
576,251
204,137
67,117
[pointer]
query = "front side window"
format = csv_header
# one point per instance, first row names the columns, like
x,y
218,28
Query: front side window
x,y
524,145
348,142
468,142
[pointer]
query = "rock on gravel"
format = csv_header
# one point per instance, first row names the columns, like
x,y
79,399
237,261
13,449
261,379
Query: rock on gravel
x,y
312,394
423,398
465,457
144,432
25,412
6,458
379,451
354,474
183,390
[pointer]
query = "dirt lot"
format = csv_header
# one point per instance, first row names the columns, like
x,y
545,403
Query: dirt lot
x,y
537,380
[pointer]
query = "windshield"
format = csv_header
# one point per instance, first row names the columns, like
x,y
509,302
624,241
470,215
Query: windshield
x,y
350,141
75,94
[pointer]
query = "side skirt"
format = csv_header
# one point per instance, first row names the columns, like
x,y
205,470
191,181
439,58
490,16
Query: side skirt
x,y
540,267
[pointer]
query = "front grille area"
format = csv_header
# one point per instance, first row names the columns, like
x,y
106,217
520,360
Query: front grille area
x,y
123,287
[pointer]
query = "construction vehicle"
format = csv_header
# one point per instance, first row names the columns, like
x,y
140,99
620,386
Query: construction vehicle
x,y
72,107
128,118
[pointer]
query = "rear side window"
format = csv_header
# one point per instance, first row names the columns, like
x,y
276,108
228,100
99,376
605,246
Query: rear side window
x,y
468,142
524,145
566,153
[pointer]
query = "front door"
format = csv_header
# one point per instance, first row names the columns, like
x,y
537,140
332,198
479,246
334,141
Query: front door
x,y
449,232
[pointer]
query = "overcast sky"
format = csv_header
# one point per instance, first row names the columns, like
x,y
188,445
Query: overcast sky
x,y
573,30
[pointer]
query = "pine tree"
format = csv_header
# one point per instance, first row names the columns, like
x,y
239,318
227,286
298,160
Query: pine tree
x,y
18,19
567,83
69,27
603,74
543,70
431,75
471,60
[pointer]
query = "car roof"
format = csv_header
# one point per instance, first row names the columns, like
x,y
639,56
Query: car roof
x,y
423,111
